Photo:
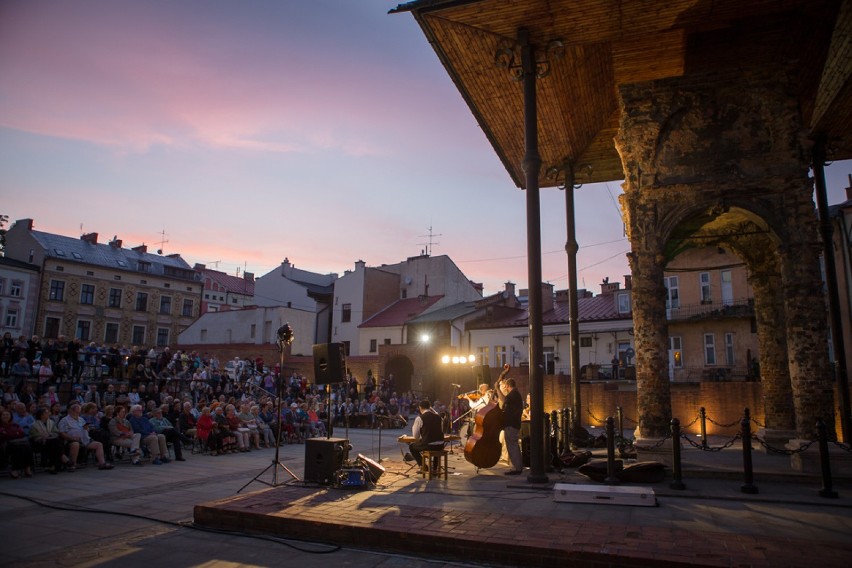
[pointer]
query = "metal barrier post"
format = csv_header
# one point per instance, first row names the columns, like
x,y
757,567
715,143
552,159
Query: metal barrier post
x,y
677,473
570,429
748,471
620,417
566,444
824,462
702,412
610,452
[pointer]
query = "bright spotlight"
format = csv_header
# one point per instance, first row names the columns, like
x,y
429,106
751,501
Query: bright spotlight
x,y
445,359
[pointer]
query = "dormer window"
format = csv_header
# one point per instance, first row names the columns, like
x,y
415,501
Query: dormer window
x,y
623,303
77,255
59,252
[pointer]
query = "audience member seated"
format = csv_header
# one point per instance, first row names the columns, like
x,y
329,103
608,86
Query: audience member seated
x,y
263,429
44,439
14,447
163,426
240,432
267,415
208,432
187,421
89,412
156,443
229,439
73,429
123,436
250,421
316,424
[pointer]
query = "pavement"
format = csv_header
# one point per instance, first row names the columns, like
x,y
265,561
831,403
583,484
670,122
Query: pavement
x,y
191,514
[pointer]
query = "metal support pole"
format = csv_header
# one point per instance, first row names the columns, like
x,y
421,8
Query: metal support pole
x,y
748,471
532,166
834,311
611,479
824,462
677,472
702,412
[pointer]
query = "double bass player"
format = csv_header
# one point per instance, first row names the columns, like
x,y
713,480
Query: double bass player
x,y
512,404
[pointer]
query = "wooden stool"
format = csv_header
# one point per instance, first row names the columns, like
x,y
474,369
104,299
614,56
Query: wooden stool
x,y
426,464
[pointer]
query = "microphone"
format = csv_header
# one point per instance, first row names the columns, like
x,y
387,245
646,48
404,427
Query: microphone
x,y
455,385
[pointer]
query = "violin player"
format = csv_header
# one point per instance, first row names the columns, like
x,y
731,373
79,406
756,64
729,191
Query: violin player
x,y
476,399
512,404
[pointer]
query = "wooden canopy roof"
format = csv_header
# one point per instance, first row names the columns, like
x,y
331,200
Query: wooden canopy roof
x,y
605,43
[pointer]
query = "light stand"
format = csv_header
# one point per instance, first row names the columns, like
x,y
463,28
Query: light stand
x,y
285,340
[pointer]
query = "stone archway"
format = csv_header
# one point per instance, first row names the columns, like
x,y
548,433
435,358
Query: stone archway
x,y
706,165
402,370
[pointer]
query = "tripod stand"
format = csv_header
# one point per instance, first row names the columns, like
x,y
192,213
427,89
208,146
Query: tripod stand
x,y
285,339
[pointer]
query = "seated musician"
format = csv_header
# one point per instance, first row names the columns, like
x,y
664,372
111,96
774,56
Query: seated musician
x,y
427,431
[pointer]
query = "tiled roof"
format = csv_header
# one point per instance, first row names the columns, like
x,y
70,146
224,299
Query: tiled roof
x,y
446,314
68,248
598,308
401,311
231,283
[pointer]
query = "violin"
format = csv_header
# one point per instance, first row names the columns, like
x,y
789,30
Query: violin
x,y
472,395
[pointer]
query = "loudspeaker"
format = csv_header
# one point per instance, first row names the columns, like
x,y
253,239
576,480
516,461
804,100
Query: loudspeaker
x,y
376,469
329,363
323,457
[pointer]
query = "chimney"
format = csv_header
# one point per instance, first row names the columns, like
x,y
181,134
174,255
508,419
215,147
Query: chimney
x,y
28,223
546,297
608,287
360,264
175,255
199,266
628,281
91,238
115,242
249,276
509,289
140,249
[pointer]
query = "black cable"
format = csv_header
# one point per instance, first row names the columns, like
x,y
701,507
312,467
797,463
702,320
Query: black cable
x,y
185,525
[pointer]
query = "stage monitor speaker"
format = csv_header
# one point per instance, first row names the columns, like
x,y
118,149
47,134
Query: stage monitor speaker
x,y
323,457
376,469
482,374
329,363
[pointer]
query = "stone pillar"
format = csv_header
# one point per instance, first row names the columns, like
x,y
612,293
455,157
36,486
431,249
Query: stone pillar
x,y
807,333
765,280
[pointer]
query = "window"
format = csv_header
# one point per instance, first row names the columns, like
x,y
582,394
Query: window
x,y
77,255
84,330
672,292
624,303
704,280
203,335
116,277
2,284
88,272
187,308
484,356
11,317
676,348
162,336
144,266
729,348
15,289
59,252
253,332
87,294
387,341
138,335
141,302
111,333
709,349
57,290
114,298
121,263
373,345
585,342
60,269
346,313
500,355
549,361
233,300
165,304
51,328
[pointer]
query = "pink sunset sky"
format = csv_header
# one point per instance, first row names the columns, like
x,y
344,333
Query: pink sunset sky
x,y
323,131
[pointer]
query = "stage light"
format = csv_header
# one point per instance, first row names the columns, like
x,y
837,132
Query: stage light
x,y
445,359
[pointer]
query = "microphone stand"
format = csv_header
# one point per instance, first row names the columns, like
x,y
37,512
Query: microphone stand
x,y
276,462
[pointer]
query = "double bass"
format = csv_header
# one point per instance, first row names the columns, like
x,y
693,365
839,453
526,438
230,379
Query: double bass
x,y
483,447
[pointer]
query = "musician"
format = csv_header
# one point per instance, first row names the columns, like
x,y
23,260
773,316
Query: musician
x,y
427,431
513,406
477,400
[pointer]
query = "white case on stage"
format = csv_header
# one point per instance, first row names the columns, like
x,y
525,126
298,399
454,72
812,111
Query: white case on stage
x,y
604,495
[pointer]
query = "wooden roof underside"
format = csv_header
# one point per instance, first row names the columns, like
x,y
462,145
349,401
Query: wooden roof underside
x,y
610,42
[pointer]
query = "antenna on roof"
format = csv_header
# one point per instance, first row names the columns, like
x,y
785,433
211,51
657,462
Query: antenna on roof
x,y
431,236
162,241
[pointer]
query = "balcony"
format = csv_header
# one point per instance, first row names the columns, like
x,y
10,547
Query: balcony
x,y
741,308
